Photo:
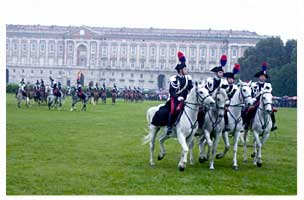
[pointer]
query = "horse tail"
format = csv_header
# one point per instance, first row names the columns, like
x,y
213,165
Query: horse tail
x,y
148,137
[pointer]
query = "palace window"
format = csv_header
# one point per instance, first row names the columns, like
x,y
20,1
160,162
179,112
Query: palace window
x,y
234,53
162,51
142,65
42,47
143,51
104,51
15,47
33,47
50,71
212,52
202,52
22,70
172,51
132,75
141,76
70,48
133,51
152,51
24,47
41,71
192,52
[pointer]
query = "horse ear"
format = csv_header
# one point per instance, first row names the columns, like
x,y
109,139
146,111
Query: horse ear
x,y
196,84
250,82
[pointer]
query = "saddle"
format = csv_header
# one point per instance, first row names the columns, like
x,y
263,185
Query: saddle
x,y
161,116
56,92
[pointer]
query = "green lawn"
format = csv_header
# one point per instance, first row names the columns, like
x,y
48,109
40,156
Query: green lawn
x,y
99,152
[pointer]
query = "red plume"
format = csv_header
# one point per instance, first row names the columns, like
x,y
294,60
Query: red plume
x,y
180,55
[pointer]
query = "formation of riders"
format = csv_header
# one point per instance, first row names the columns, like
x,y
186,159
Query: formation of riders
x,y
181,84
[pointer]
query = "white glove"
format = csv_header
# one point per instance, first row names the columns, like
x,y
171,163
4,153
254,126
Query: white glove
x,y
180,98
254,100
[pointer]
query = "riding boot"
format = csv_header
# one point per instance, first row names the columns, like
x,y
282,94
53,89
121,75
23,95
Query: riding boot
x,y
169,127
274,127
226,122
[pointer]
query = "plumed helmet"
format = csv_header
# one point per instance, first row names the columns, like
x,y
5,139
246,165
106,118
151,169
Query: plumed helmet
x,y
235,70
182,60
263,71
223,62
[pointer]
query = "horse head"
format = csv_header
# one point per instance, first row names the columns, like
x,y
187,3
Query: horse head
x,y
245,92
203,96
266,101
220,96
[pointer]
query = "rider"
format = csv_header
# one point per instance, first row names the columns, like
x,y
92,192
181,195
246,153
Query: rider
x,y
114,89
213,83
42,84
80,94
231,89
37,85
96,86
22,87
180,85
257,89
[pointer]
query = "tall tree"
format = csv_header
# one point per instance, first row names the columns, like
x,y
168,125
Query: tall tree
x,y
282,64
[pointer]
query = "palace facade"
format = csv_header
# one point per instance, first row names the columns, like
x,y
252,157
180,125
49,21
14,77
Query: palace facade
x,y
143,57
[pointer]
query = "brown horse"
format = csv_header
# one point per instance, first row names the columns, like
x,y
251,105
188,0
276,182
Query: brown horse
x,y
114,96
103,95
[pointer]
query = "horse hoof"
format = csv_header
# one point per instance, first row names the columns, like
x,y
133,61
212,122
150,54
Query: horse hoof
x,y
259,164
212,168
252,155
219,156
235,168
159,157
152,164
202,160
181,168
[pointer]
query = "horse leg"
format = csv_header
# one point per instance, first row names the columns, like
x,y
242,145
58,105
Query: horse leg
x,y
258,156
191,153
209,142
162,140
183,160
235,147
245,145
153,132
202,145
214,147
227,146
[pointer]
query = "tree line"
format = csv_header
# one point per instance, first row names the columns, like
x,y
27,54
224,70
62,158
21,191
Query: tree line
x,y
282,64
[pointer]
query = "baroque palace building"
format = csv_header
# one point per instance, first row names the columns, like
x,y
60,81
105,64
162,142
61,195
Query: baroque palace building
x,y
144,57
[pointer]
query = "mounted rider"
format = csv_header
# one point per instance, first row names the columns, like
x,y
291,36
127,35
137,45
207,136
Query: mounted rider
x,y
212,84
22,88
42,86
257,89
231,89
114,90
54,88
80,93
180,85
96,86
216,81
37,85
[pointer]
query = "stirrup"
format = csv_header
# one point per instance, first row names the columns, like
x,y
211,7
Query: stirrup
x,y
169,131
273,128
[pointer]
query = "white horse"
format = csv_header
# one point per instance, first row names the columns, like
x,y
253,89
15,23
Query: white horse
x,y
214,125
185,127
261,126
53,100
240,99
20,97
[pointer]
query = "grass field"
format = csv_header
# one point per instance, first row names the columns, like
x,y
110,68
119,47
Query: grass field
x,y
99,152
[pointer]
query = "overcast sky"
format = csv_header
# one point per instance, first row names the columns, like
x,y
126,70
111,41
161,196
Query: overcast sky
x,y
266,17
